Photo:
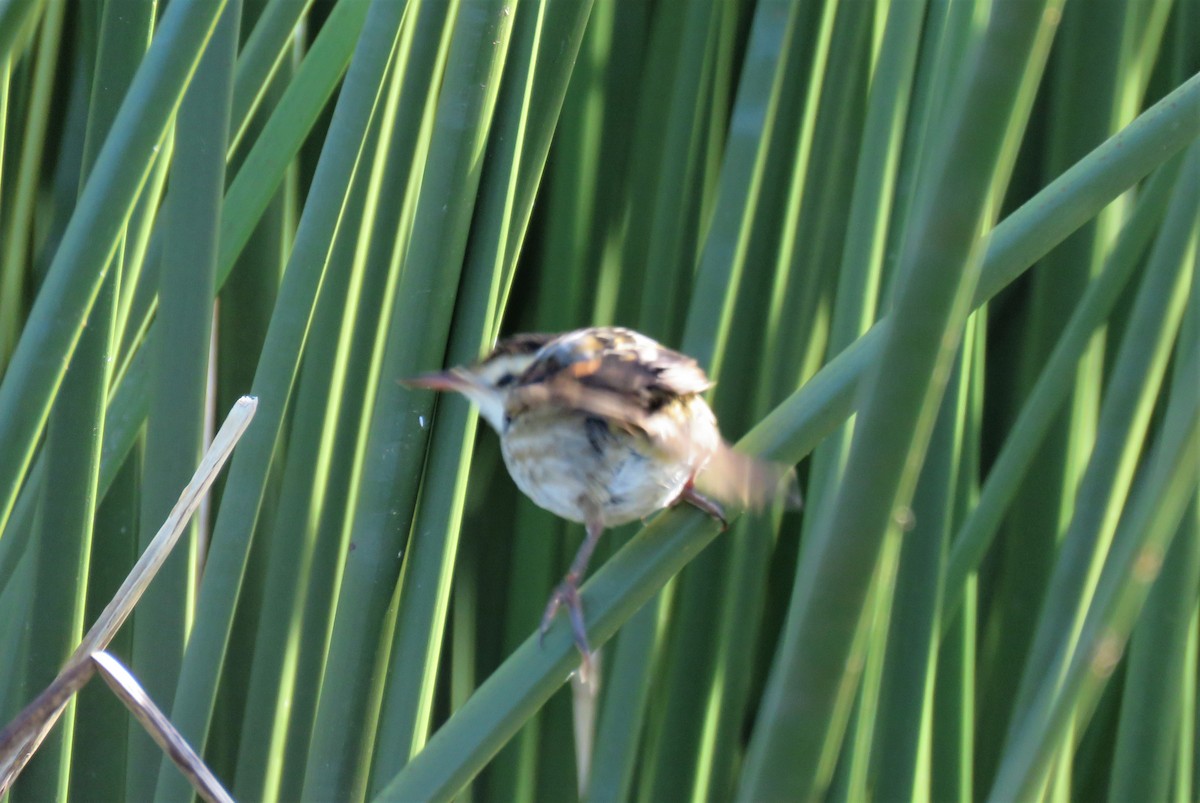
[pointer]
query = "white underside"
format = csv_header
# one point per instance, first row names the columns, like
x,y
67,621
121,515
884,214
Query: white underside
x,y
553,461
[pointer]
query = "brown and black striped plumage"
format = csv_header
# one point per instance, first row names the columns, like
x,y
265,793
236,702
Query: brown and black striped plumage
x,y
604,426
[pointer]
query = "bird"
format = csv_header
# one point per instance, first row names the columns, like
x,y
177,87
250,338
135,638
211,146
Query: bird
x,y
604,426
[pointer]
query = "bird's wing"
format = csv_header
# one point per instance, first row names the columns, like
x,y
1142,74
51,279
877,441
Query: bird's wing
x,y
610,372
642,387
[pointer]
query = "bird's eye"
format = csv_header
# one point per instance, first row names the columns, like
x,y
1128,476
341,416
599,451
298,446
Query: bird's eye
x,y
505,381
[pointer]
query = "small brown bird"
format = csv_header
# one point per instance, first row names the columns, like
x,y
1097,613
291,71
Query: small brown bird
x,y
603,426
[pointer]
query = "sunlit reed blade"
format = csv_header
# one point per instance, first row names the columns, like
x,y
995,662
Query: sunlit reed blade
x,y
20,739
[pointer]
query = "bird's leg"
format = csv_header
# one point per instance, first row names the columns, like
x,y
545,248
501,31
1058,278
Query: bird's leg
x,y
567,594
693,497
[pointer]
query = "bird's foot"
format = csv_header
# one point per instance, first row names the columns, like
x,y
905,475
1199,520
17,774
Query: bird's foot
x,y
567,594
696,499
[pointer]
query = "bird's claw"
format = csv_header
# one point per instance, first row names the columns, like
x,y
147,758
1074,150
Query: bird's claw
x,y
698,500
567,594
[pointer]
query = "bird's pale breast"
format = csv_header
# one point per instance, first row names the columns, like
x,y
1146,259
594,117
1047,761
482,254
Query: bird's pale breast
x,y
576,465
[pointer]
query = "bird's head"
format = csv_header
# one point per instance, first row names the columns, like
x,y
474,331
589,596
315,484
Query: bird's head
x,y
488,382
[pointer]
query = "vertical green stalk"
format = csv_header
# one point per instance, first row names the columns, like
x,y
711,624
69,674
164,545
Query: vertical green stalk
x,y
575,219
63,530
63,527
423,56
674,760
281,685
259,59
421,63
1124,419
1078,590
722,259
263,168
80,264
828,145
1152,722
175,425
1081,114
143,251
102,721
809,57
676,746
901,754
1185,752
536,556
952,744
534,548
425,585
283,682
794,744
1068,694
12,274
418,327
221,584
1054,383
858,286
14,637
851,780
677,172
18,234
14,19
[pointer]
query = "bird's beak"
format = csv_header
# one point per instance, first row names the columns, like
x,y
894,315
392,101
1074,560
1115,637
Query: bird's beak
x,y
439,380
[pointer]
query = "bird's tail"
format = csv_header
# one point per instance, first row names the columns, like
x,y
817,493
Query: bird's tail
x,y
748,482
